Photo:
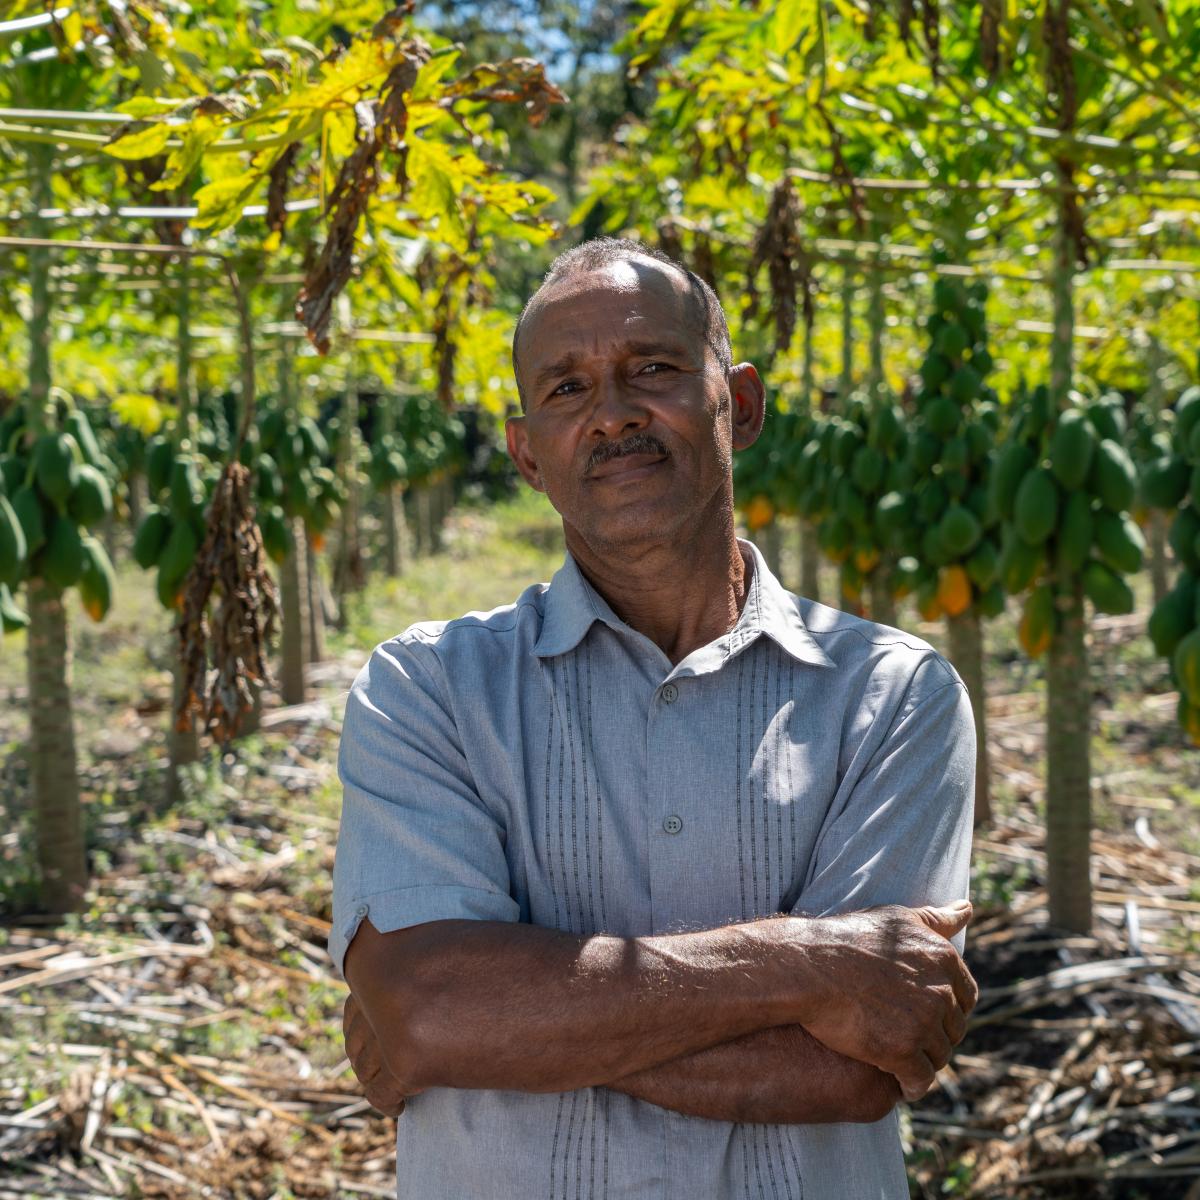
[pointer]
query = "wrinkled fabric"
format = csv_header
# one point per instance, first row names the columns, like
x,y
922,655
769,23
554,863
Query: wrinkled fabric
x,y
546,763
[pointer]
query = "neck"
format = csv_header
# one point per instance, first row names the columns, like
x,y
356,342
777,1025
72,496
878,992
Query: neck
x,y
681,593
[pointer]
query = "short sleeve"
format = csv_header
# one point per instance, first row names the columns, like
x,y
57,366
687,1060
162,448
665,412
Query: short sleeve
x,y
903,835
416,842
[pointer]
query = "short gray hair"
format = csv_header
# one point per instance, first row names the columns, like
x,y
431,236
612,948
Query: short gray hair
x,y
601,252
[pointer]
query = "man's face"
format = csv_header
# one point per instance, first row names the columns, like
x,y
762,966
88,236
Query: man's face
x,y
630,420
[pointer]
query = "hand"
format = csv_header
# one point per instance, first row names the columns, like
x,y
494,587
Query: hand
x,y
890,989
379,1085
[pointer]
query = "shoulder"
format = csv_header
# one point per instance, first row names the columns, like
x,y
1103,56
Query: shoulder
x,y
467,651
878,661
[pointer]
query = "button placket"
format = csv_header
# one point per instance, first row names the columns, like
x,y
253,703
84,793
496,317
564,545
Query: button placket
x,y
670,693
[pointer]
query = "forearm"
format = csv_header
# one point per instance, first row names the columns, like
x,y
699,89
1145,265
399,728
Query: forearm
x,y
482,1004
774,1076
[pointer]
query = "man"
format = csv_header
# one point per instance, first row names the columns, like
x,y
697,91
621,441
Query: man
x,y
619,884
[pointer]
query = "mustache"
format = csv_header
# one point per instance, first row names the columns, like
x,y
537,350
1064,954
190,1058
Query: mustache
x,y
638,443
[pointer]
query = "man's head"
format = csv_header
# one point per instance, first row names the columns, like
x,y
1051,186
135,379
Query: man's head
x,y
632,405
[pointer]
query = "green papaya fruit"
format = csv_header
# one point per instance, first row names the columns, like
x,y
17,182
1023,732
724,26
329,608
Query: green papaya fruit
x,y
1187,416
866,469
893,514
160,457
315,445
933,552
1020,563
954,456
1173,616
845,445
276,534
151,537
186,490
1164,482
959,531
983,567
97,583
1120,542
91,501
1108,420
1107,591
886,427
13,547
168,590
61,560
178,552
1012,465
56,467
78,426
1112,478
1071,447
932,501
965,384
12,616
269,485
28,507
1035,509
1185,658
12,474
924,451
935,370
980,440
1185,528
981,360
1075,532
951,341
990,601
942,416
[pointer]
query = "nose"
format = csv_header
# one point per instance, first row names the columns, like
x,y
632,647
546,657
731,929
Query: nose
x,y
617,411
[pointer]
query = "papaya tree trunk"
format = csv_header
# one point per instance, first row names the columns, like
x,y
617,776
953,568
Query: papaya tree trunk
x,y
1159,580
810,561
877,319
58,815
1068,771
423,496
135,497
58,818
316,603
183,745
966,653
293,595
847,378
395,532
770,542
880,598
1068,689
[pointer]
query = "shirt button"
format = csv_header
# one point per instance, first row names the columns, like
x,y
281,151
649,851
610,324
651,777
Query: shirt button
x,y
361,911
672,824
670,693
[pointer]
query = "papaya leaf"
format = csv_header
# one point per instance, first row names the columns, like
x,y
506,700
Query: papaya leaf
x,y
140,143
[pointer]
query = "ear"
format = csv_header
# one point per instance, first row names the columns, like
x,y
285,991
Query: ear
x,y
748,404
516,436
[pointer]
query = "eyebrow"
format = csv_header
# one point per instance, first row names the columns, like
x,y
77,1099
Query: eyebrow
x,y
568,362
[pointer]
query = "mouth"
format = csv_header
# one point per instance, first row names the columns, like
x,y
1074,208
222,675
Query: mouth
x,y
628,467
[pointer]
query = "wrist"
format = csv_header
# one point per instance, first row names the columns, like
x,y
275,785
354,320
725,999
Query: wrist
x,y
791,985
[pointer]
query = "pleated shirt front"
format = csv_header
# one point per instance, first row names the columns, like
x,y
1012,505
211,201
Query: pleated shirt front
x,y
546,763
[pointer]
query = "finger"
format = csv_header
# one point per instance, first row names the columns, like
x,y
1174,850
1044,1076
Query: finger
x,y
954,1022
946,920
918,1079
966,990
387,1102
938,1049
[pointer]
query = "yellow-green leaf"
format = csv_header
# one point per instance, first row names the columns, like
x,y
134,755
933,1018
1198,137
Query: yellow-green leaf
x,y
220,203
141,143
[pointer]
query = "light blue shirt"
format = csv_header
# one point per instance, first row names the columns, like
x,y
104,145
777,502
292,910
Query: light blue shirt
x,y
546,763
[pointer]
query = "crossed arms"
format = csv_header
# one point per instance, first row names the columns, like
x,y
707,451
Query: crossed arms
x,y
783,1020
824,1017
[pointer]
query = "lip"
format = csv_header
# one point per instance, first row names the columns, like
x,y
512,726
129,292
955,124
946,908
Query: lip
x,y
628,467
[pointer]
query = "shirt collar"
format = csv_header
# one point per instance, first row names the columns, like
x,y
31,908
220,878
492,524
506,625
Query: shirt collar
x,y
572,605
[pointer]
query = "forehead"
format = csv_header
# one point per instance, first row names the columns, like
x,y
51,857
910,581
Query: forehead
x,y
619,303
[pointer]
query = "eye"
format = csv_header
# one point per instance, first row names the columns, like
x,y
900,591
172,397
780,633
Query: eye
x,y
661,366
563,389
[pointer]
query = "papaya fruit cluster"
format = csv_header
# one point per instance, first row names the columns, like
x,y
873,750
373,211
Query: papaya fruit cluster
x,y
762,474
54,490
293,478
949,530
860,461
1063,485
173,529
1172,482
432,439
